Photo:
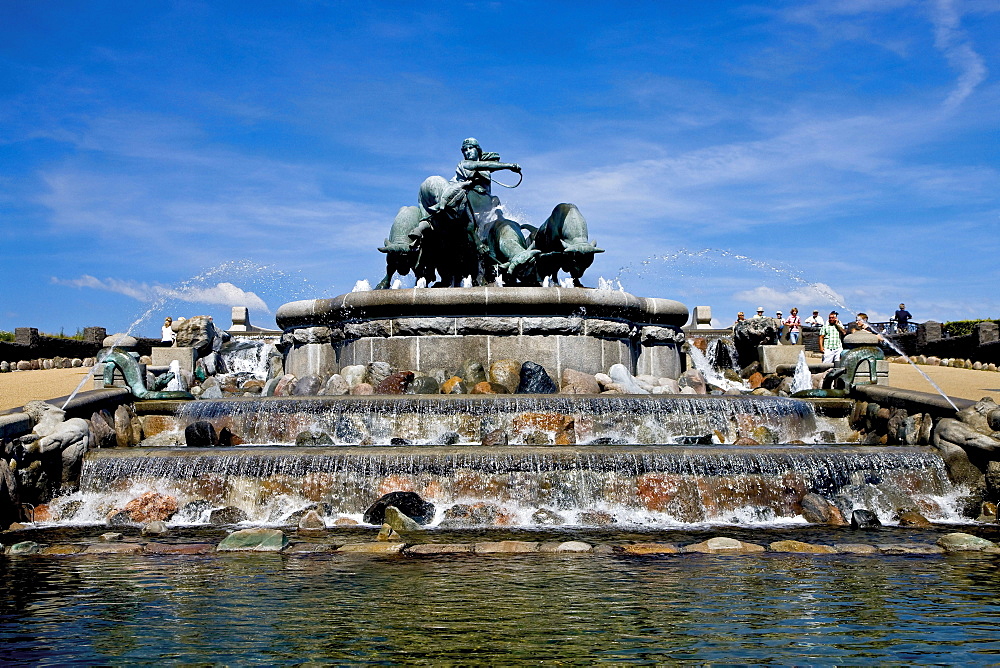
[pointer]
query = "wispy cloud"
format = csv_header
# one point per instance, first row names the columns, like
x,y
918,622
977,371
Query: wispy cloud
x,y
220,294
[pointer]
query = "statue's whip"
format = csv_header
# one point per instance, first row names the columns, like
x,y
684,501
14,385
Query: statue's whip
x,y
520,177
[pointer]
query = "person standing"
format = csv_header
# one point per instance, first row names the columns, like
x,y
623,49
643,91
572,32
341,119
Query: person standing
x,y
167,334
739,318
779,320
903,319
794,326
831,342
760,312
814,320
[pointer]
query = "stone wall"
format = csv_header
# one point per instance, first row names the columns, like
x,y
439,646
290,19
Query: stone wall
x,y
29,344
983,345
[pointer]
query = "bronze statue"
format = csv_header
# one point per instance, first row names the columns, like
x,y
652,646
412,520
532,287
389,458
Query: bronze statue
x,y
458,230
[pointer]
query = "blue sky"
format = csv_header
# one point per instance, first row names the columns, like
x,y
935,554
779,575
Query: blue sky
x,y
177,158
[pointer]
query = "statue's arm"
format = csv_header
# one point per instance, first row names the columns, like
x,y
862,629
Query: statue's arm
x,y
489,166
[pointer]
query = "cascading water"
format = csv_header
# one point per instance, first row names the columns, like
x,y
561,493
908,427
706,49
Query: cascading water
x,y
802,380
711,373
654,486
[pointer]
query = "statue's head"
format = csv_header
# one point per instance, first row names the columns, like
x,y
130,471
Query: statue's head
x,y
468,146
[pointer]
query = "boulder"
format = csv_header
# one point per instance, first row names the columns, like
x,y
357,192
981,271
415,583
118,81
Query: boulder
x,y
535,380
155,528
817,510
354,374
336,386
472,373
748,335
621,377
547,517
423,385
408,503
227,515
800,547
313,437
379,371
399,521
362,390
495,438
964,542
311,520
10,502
395,383
650,548
254,540
200,434
723,545
506,372
24,547
577,382
150,507
912,518
864,519
308,386
507,547
198,332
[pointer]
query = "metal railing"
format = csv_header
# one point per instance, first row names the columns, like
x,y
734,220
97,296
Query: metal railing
x,y
893,327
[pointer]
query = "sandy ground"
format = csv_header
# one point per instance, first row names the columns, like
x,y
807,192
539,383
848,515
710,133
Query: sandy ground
x,y
18,388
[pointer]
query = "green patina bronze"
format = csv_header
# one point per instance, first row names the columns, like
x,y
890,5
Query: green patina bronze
x,y
128,365
458,230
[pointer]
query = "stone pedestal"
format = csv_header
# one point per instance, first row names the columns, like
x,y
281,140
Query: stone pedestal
x,y
164,356
420,329
772,356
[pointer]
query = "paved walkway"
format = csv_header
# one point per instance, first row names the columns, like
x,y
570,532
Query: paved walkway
x,y
18,388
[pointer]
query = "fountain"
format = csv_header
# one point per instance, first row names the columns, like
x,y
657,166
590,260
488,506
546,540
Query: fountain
x,y
505,397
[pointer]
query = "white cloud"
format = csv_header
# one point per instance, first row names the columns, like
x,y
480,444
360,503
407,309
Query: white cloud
x,y
223,294
954,44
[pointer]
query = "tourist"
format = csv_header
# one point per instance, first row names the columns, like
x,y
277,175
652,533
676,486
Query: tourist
x,y
831,343
779,318
903,319
760,312
739,318
794,326
814,320
167,334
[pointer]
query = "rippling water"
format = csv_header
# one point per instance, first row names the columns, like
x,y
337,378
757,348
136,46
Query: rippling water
x,y
282,609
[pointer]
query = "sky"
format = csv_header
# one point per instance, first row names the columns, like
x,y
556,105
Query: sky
x,y
180,158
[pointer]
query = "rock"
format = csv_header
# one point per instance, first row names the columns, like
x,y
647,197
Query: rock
x,y
816,509
362,389
227,515
371,548
577,382
596,518
311,520
24,366
477,514
911,518
604,381
506,372
345,522
495,438
113,548
379,371
118,518
191,512
562,427
440,548
864,519
408,503
111,536
574,546
179,548
197,332
24,547
800,547
621,377
61,550
506,547
348,429
200,434
354,374
254,540
313,437
336,386
395,383
399,522
909,548
535,380
650,548
423,385
10,502
473,373
155,528
694,379
308,386
286,385
547,517
749,334
453,386
447,438
4,366
855,548
150,507
487,387
723,545
964,542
